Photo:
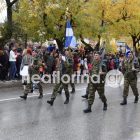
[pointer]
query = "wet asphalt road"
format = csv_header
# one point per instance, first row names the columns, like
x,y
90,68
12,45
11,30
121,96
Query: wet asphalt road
x,y
34,119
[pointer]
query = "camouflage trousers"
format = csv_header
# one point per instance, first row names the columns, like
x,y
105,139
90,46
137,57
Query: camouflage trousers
x,y
71,84
87,90
100,88
28,88
132,84
61,87
56,89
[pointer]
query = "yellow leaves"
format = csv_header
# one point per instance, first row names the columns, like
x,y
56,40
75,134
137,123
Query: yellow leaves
x,y
118,16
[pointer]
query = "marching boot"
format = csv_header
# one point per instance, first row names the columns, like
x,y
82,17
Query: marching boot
x,y
40,96
85,96
105,106
136,99
50,102
60,92
124,102
67,100
73,90
88,110
24,97
32,90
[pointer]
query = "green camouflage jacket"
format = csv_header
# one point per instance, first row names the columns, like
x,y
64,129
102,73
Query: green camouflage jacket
x,y
130,68
68,66
97,67
34,68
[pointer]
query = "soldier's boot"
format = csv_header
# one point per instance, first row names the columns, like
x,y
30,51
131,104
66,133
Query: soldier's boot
x,y
50,102
85,96
124,102
73,90
88,110
136,99
60,92
105,106
40,96
67,100
24,96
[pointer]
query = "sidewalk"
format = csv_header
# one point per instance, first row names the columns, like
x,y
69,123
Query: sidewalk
x,y
17,83
9,84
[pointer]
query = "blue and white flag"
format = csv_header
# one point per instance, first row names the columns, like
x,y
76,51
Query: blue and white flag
x,y
135,57
127,50
70,39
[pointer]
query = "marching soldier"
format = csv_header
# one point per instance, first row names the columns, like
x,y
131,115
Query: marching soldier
x,y
64,69
70,60
97,78
33,70
130,69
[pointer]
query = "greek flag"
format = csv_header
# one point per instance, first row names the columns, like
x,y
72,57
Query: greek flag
x,y
127,50
70,40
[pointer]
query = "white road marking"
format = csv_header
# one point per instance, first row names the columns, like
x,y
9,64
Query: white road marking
x,y
32,96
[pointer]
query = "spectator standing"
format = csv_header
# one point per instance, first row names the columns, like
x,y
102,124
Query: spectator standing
x,y
12,60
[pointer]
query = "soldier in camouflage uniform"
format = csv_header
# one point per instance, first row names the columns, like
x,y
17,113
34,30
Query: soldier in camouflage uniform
x,y
33,70
130,68
100,70
70,60
64,69
87,89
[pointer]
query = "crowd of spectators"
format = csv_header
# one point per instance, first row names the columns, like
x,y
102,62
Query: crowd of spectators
x,y
11,60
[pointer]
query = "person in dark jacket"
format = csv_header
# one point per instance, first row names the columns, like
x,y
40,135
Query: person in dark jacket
x,y
3,65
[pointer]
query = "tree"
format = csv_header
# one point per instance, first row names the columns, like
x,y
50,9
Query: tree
x,y
9,26
9,17
48,16
95,19
126,21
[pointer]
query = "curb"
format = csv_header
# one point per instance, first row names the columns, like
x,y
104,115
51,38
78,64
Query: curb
x,y
9,84
17,84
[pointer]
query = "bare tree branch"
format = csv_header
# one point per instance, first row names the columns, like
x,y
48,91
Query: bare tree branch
x,y
13,2
7,2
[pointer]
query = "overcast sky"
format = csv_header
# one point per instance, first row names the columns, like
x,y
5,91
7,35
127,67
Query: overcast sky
x,y
2,16
2,11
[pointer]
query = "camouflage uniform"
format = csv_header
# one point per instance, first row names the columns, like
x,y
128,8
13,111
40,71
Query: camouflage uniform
x,y
130,77
56,88
49,60
93,87
64,69
70,61
104,67
34,69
